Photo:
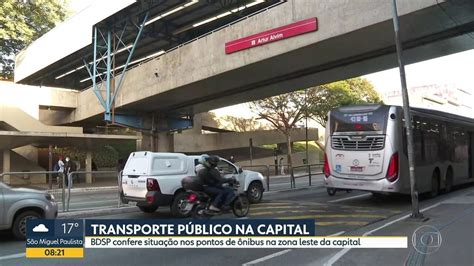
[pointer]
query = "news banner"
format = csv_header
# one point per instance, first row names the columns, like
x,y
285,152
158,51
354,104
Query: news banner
x,y
69,238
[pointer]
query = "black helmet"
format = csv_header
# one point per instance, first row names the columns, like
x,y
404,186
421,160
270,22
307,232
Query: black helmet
x,y
213,160
209,160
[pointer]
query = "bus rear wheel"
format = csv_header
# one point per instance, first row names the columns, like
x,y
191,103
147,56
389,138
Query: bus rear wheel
x,y
434,184
449,181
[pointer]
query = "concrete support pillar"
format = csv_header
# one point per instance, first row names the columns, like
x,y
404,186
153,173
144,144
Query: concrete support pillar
x,y
165,142
156,142
162,141
146,141
197,124
6,165
88,166
50,166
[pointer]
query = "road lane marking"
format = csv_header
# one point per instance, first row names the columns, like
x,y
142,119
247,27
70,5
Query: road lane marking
x,y
357,223
291,204
334,216
338,233
342,252
278,207
271,256
279,253
272,191
271,203
348,198
282,212
13,256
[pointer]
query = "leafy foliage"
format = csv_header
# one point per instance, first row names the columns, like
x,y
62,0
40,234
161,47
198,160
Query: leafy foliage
x,y
321,99
283,112
240,124
22,22
103,156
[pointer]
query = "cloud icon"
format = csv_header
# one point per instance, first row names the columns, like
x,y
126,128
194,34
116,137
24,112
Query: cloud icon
x,y
40,228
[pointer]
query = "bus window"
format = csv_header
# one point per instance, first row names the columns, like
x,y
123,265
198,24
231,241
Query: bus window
x,y
418,141
430,135
358,121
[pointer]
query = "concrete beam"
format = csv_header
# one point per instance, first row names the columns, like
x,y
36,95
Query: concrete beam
x,y
31,97
13,139
340,43
224,141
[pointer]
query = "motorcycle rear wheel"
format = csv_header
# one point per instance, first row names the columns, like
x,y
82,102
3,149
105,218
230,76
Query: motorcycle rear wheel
x,y
241,206
199,212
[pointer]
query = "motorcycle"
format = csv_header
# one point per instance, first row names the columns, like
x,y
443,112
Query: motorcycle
x,y
198,202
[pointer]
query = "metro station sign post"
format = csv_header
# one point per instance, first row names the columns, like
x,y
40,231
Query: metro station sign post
x,y
277,34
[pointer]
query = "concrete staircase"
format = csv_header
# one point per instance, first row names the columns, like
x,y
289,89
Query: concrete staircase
x,y
14,119
19,163
24,159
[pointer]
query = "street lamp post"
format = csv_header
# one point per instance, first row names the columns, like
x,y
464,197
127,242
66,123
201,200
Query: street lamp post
x,y
406,112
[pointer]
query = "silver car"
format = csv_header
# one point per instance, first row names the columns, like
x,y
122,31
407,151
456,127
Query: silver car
x,y
17,205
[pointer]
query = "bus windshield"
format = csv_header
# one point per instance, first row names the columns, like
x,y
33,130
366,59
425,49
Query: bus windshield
x,y
359,120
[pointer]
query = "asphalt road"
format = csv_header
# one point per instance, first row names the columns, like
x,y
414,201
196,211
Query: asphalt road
x,y
108,198
345,213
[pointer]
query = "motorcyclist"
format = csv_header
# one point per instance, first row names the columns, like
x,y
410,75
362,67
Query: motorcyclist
x,y
213,181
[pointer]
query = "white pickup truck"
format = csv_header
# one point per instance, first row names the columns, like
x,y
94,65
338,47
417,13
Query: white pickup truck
x,y
153,179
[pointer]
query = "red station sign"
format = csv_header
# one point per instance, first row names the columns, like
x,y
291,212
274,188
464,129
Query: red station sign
x,y
285,32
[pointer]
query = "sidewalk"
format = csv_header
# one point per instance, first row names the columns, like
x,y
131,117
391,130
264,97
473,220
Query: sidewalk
x,y
447,239
97,184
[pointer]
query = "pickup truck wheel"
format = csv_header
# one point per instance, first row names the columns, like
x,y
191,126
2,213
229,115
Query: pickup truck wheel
x,y
178,205
148,209
255,192
19,225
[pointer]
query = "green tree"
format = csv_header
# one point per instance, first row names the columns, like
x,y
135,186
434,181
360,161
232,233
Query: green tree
x,y
22,22
283,112
240,124
321,99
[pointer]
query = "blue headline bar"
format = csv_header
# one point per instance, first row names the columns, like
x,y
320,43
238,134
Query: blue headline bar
x,y
255,227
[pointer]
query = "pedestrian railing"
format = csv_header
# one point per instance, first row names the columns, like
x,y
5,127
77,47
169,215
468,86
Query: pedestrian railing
x,y
58,193
63,190
96,174
307,172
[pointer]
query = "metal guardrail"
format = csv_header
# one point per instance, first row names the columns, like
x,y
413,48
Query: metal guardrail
x,y
291,172
308,171
61,184
63,191
70,183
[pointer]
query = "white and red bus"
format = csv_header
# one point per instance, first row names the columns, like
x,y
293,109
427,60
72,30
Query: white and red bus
x,y
366,149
